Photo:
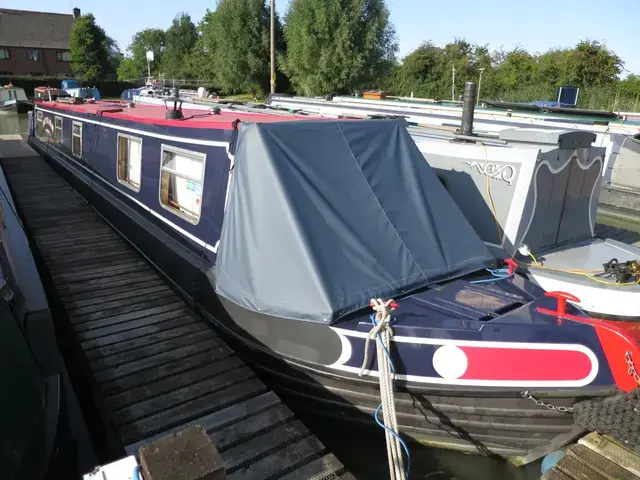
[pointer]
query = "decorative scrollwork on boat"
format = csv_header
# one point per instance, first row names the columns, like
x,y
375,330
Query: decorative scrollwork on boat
x,y
506,173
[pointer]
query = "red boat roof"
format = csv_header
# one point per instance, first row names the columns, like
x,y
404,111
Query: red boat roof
x,y
155,114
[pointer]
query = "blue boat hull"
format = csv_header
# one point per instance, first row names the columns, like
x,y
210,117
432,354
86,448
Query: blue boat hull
x,y
317,367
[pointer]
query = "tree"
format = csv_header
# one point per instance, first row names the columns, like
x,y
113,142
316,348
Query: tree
x,y
235,42
135,65
115,55
592,64
127,70
335,46
180,39
90,49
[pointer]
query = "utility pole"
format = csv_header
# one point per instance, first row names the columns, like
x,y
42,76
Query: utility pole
x,y
479,86
453,83
273,46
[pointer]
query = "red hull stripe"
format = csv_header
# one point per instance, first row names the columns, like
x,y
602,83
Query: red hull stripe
x,y
525,364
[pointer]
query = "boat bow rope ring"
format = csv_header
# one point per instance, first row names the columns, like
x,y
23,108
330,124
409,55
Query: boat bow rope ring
x,y
383,332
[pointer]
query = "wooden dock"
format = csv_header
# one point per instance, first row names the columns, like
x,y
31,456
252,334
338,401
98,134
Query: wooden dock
x,y
596,457
146,363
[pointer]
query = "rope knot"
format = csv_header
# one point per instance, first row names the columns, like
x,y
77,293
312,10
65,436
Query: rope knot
x,y
382,333
383,308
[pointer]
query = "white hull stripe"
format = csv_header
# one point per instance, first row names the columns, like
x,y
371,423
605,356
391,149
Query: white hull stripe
x,y
170,138
191,237
347,352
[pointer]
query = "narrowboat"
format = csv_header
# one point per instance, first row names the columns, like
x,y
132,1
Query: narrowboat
x,y
14,100
281,229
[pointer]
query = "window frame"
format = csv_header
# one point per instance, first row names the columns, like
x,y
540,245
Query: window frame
x,y
56,129
73,124
121,181
7,55
170,148
60,55
37,55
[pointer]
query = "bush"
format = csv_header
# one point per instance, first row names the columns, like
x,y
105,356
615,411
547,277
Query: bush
x,y
106,88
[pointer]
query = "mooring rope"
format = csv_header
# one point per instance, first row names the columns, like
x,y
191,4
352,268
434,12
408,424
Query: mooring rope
x,y
383,333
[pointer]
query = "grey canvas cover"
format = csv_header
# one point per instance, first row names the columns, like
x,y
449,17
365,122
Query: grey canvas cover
x,y
322,216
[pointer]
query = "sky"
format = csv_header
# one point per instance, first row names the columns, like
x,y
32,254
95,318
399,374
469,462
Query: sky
x,y
535,25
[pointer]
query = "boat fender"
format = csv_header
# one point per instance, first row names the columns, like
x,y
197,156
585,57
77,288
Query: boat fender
x,y
551,460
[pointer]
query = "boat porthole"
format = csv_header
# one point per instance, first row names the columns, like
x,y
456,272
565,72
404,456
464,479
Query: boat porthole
x,y
443,181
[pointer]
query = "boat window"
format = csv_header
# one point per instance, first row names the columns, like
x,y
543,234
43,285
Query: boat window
x,y
76,139
57,134
181,178
129,161
39,117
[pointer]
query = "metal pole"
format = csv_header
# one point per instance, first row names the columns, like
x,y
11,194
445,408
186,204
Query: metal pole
x,y
468,106
453,83
273,46
479,85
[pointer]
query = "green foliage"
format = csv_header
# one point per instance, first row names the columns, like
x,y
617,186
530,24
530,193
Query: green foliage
x,y
516,75
180,39
336,46
135,65
127,70
91,49
235,45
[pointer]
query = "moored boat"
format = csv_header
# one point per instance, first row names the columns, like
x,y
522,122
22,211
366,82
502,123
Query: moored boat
x,y
14,100
621,139
281,229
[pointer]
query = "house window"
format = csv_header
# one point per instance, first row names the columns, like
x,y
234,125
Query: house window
x,y
34,55
4,54
129,161
57,134
76,139
64,56
181,178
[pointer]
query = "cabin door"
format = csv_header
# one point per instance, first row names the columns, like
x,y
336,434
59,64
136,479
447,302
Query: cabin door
x,y
563,208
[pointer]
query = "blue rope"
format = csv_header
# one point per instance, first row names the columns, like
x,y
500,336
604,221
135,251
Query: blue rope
x,y
375,414
498,274
379,339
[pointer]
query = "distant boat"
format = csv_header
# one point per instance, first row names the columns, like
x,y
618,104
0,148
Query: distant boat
x,y
14,100
75,89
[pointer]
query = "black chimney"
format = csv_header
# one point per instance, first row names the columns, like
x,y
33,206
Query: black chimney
x,y
468,106
76,12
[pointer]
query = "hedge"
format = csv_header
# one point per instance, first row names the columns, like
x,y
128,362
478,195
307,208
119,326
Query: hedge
x,y
106,88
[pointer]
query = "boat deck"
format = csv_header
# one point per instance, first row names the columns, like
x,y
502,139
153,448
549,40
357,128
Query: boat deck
x,y
154,367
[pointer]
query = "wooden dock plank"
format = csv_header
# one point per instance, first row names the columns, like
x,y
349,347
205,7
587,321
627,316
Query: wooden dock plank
x,y
317,469
166,384
156,367
613,451
296,455
554,474
600,464
574,468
